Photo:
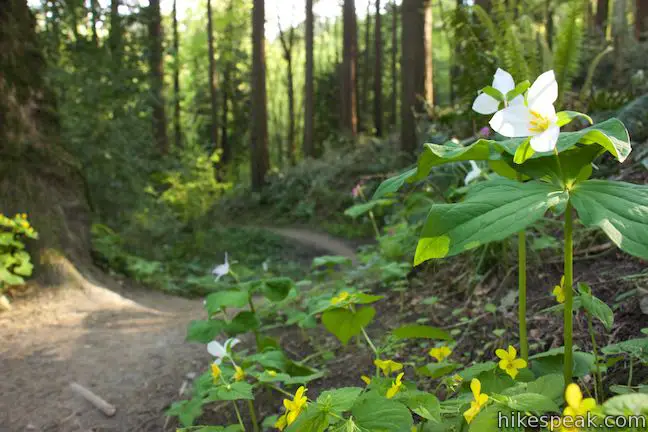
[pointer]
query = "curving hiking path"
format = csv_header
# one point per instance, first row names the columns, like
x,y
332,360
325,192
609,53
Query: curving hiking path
x,y
123,343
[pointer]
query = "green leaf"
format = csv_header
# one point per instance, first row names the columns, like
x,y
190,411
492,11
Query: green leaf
x,y
523,152
331,261
229,392
566,117
487,419
243,322
414,331
437,370
492,211
204,331
360,209
626,405
312,419
339,400
620,209
232,299
277,289
471,372
637,348
187,411
494,93
345,324
392,184
362,298
377,414
551,385
9,278
532,402
425,405
518,90
596,307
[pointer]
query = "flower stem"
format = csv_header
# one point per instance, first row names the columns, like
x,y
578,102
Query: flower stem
x,y
238,415
371,216
371,345
568,323
599,381
253,416
522,299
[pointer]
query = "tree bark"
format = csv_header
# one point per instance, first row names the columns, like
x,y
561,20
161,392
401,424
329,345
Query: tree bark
x,y
226,89
349,105
115,35
378,72
364,107
602,14
416,66
157,77
394,64
287,43
641,19
308,148
213,95
176,79
259,157
94,16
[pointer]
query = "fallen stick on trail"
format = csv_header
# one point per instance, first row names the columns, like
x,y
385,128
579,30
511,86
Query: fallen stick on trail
x,y
103,406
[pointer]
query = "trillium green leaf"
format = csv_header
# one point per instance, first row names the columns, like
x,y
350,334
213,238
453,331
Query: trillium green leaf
x,y
345,323
492,211
566,117
228,298
360,209
204,331
619,209
393,184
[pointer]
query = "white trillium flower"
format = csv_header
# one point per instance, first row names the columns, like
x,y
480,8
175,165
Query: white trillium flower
x,y
221,351
473,174
221,269
504,83
537,118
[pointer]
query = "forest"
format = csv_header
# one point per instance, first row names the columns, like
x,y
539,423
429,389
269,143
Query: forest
x,y
323,215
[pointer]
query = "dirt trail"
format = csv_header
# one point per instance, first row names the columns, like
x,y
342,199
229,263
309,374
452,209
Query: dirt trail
x,y
124,343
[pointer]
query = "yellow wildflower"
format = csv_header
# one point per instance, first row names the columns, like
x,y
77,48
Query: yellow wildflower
x,y
340,298
366,379
272,373
440,353
388,366
508,361
239,375
216,372
559,291
396,386
478,403
293,409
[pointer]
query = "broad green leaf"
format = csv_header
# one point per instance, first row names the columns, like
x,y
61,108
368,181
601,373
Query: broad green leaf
x,y
551,385
626,405
375,413
393,184
620,209
523,152
234,391
204,331
277,289
492,211
566,117
360,209
187,411
339,400
415,331
345,324
471,372
23,265
437,370
532,402
231,298
637,348
312,419
331,261
596,307
363,298
243,322
487,419
425,405
9,278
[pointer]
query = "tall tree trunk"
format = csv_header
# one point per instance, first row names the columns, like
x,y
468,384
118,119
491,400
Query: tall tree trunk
x,y
641,19
485,4
157,77
549,25
259,157
365,71
602,10
378,72
308,147
94,16
349,106
37,176
176,78
416,68
287,43
226,88
213,126
115,35
394,64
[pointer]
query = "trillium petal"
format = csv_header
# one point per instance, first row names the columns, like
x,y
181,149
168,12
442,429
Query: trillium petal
x,y
546,141
231,343
485,104
216,349
544,91
512,122
503,81
517,100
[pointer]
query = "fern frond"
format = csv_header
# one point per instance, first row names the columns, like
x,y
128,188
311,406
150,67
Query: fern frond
x,y
568,45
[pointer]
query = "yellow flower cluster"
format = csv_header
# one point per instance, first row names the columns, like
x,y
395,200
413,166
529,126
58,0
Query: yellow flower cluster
x,y
293,409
